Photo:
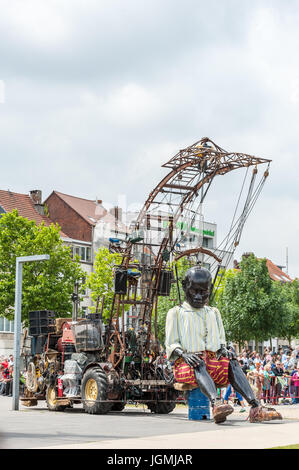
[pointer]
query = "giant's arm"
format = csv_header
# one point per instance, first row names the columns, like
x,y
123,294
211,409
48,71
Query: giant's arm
x,y
172,337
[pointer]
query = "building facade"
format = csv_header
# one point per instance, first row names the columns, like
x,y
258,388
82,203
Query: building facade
x,y
87,225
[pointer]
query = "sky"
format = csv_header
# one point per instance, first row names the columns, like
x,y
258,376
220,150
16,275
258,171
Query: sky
x,y
96,95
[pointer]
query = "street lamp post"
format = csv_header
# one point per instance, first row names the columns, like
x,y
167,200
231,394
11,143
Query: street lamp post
x,y
18,323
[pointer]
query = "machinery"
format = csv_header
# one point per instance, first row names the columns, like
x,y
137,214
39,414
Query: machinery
x,y
67,365
105,366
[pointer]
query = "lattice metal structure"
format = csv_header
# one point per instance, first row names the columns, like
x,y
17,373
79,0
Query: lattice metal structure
x,y
169,213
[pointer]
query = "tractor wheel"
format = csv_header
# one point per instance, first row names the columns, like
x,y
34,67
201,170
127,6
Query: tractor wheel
x,y
162,408
51,399
94,392
118,406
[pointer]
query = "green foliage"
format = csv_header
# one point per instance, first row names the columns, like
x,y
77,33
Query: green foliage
x,y
101,281
290,291
251,304
46,284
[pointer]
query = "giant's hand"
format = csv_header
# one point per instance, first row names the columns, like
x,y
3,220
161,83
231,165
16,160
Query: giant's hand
x,y
190,358
224,352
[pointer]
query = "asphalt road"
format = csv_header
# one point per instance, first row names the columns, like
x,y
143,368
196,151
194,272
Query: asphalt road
x,y
37,427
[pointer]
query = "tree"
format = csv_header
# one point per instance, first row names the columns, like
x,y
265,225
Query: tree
x,y
290,328
47,285
101,281
251,304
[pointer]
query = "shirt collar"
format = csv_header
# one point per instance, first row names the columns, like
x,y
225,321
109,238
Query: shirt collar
x,y
187,306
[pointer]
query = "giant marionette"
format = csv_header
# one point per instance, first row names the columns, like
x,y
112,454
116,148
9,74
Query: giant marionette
x,y
195,340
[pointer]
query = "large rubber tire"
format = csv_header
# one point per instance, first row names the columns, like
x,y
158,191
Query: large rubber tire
x,y
118,406
162,408
51,399
94,392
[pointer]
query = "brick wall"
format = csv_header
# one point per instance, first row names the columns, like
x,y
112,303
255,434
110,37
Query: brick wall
x,y
71,223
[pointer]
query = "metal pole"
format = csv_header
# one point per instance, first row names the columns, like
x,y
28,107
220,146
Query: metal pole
x,y
18,324
17,335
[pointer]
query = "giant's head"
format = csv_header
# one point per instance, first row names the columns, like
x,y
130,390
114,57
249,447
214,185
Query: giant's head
x,y
197,286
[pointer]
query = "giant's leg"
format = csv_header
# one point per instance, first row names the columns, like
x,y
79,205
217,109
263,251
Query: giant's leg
x,y
240,383
205,382
208,388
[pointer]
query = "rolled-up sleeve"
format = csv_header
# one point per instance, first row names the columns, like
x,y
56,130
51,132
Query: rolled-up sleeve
x,y
172,339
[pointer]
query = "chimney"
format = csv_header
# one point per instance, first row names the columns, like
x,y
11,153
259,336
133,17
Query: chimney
x,y
36,198
117,213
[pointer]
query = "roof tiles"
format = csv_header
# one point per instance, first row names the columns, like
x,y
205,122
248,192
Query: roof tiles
x,y
25,207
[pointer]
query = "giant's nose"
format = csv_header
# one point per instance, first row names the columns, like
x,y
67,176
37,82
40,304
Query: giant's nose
x,y
198,297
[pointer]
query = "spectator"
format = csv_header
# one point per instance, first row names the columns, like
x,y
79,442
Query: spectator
x,y
6,379
228,392
284,357
295,380
255,380
9,382
292,362
243,365
257,358
267,372
277,382
245,359
267,357
2,379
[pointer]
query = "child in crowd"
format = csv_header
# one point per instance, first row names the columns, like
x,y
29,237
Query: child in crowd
x,y
295,380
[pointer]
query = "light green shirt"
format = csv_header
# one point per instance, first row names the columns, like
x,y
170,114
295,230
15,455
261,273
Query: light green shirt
x,y
193,330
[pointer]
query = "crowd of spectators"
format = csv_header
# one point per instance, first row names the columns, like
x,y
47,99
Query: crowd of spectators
x,y
6,375
274,376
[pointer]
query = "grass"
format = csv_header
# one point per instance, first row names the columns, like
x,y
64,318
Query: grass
x,y
294,446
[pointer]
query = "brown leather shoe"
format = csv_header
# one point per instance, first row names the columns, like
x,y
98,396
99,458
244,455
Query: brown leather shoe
x,y
263,413
220,412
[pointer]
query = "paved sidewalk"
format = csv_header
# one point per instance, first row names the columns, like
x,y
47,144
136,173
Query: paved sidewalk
x,y
137,428
274,435
227,436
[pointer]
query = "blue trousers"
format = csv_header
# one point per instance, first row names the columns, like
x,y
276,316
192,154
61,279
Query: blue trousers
x,y
228,393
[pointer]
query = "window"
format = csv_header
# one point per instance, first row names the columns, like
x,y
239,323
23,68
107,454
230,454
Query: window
x,y
84,253
207,242
6,326
84,311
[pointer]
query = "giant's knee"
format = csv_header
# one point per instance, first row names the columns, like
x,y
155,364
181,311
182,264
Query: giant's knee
x,y
201,364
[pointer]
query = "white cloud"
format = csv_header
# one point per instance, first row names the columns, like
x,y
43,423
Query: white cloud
x,y
38,22
99,94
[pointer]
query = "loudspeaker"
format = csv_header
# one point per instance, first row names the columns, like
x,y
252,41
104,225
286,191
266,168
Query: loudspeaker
x,y
164,283
120,282
41,314
37,344
41,322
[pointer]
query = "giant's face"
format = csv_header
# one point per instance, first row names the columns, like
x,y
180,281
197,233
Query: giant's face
x,y
197,285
